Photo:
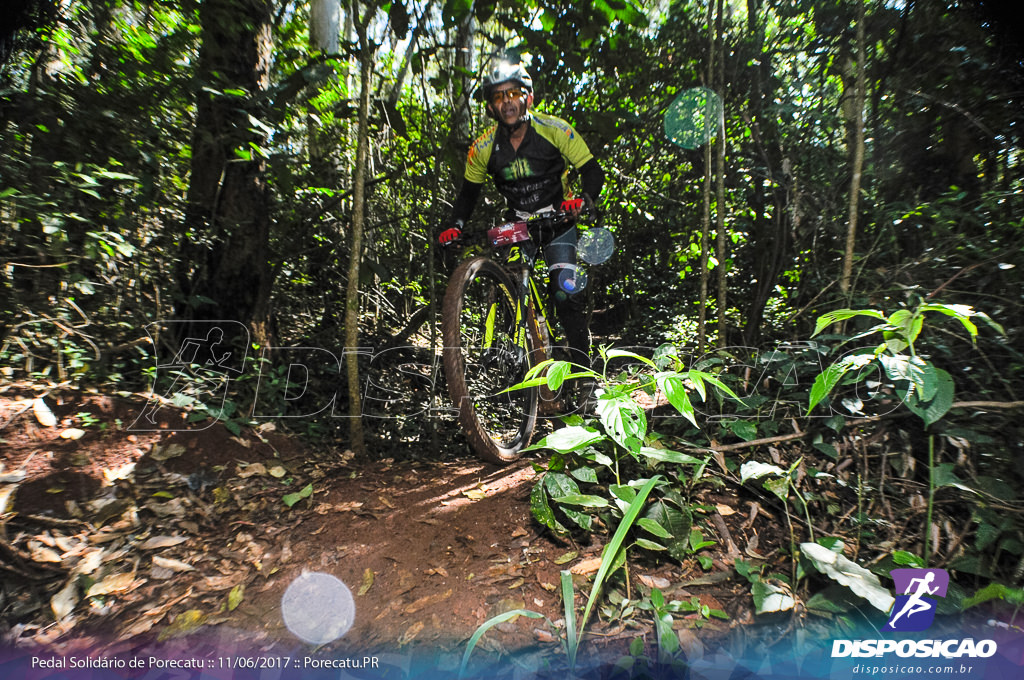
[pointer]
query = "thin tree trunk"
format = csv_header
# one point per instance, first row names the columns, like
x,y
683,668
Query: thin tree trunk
x,y
857,122
721,249
355,406
705,225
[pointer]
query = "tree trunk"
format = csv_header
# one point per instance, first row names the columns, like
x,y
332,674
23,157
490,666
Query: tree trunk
x,y
355,406
857,152
721,248
705,225
225,273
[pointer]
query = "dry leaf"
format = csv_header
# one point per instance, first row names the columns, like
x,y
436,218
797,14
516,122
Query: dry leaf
x,y
654,581
367,582
235,597
43,413
266,427
427,601
161,542
118,583
515,584
566,558
41,553
242,442
123,472
410,634
519,531
690,644
173,565
349,506
587,566
543,635
475,494
72,433
65,600
724,510
251,469
278,472
184,623
440,571
166,452
386,502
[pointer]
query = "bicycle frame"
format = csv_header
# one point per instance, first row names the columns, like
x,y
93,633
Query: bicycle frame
x,y
530,313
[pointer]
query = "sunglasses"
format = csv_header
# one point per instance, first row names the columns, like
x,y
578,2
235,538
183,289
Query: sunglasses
x,y
514,93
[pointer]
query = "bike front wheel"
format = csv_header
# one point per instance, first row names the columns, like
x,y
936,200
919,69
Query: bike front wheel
x,y
484,355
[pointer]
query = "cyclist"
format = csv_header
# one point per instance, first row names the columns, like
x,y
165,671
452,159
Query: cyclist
x,y
527,154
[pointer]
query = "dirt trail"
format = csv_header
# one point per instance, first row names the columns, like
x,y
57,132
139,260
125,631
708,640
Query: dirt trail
x,y
136,537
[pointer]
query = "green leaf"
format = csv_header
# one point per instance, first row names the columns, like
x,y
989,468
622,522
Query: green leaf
x,y
585,474
649,545
674,521
779,487
568,439
585,500
653,527
624,421
744,429
235,597
293,498
826,320
619,353
667,456
753,469
556,374
848,573
486,626
933,410
542,512
674,388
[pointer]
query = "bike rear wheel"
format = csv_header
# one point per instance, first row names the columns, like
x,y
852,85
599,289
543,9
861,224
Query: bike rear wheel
x,y
483,357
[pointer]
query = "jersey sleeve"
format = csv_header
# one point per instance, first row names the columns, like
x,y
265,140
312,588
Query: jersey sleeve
x,y
479,156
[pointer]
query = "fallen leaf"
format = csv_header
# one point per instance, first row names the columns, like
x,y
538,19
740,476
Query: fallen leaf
x,y
242,442
654,581
724,510
410,633
118,583
550,587
475,494
587,566
278,472
690,644
566,558
72,433
166,452
65,600
140,627
266,427
427,601
367,582
43,413
184,623
123,472
160,542
251,469
235,597
543,635
519,531
349,506
515,584
41,553
173,565
386,502
440,571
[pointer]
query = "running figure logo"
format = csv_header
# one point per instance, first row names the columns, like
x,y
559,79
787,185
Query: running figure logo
x,y
914,610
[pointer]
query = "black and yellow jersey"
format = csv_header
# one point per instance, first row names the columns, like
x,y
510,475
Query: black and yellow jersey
x,y
535,175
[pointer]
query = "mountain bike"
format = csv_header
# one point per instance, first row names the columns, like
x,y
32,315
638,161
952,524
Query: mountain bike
x,y
495,329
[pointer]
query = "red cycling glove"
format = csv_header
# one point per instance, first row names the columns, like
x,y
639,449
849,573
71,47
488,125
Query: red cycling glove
x,y
572,205
449,235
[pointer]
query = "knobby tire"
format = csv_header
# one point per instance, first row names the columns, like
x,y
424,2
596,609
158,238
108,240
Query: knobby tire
x,y
498,424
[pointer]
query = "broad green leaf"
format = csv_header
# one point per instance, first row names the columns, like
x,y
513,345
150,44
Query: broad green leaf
x,y
585,474
293,498
826,320
753,469
771,598
585,500
568,439
779,487
667,456
235,597
675,391
653,527
744,429
556,374
542,512
619,353
933,410
649,545
850,574
674,521
624,421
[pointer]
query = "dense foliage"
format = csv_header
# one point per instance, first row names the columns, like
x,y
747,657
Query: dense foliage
x,y
195,159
